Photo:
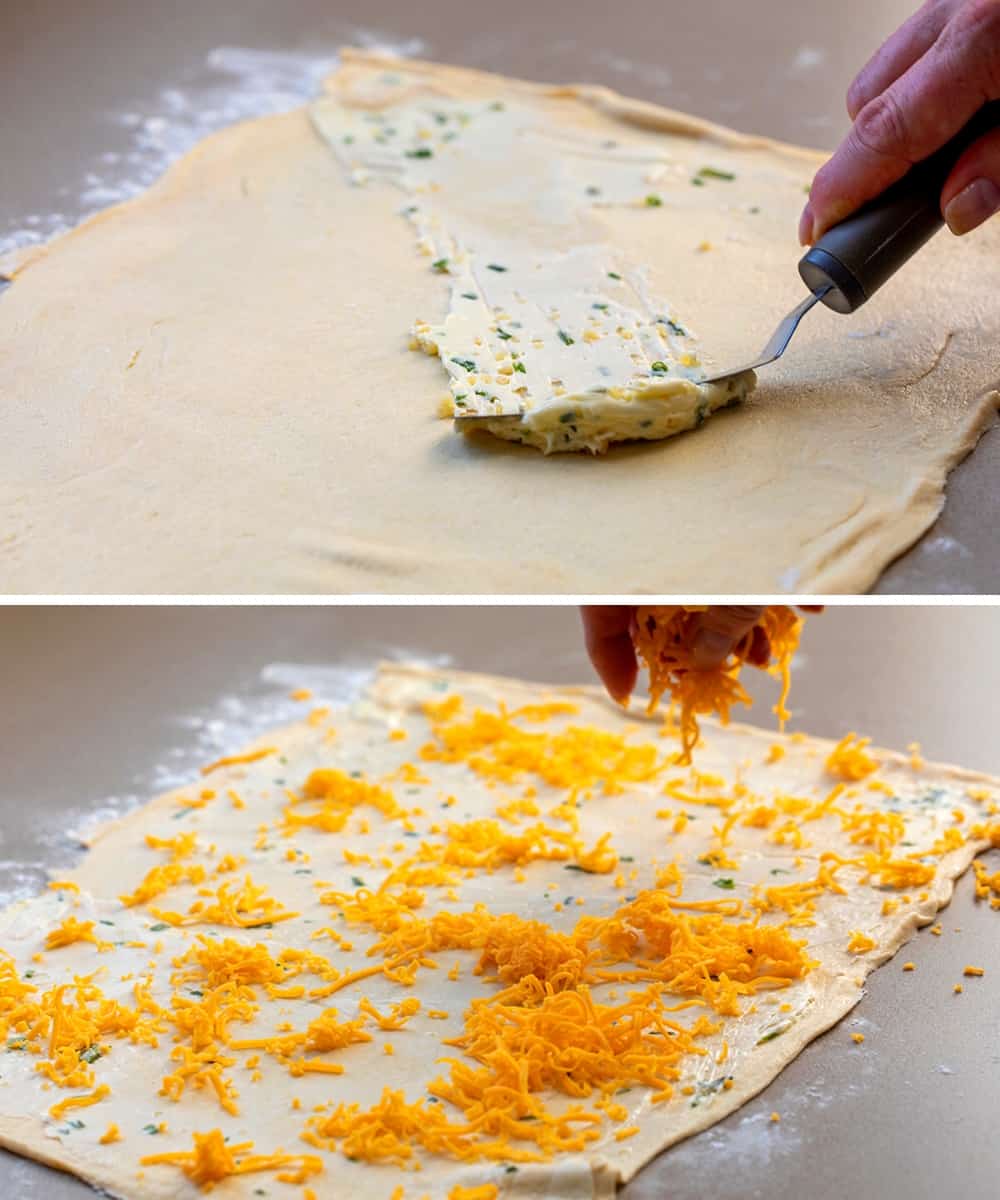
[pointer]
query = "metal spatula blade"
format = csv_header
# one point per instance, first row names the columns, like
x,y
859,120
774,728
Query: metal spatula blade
x,y
779,340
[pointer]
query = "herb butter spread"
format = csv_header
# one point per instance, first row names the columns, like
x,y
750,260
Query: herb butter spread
x,y
546,317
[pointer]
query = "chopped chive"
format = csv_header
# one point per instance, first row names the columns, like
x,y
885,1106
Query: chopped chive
x,y
726,884
150,1129
565,338
502,333
357,881
696,182
158,927
440,265
495,267
715,173
519,367
653,201
420,152
468,363
660,367
613,275
469,296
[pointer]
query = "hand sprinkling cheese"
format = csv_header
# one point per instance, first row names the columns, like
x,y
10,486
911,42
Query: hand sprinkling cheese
x,y
693,652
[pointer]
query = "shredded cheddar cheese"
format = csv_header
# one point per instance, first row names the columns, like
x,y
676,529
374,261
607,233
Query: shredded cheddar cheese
x,y
849,759
664,636
211,1160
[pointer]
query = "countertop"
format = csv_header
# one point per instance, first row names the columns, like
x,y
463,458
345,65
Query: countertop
x,y
99,97
99,708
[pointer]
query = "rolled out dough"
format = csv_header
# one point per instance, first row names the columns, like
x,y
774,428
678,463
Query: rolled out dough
x,y
910,816
209,388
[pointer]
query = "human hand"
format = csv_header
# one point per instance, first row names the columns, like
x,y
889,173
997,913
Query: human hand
x,y
607,631
918,90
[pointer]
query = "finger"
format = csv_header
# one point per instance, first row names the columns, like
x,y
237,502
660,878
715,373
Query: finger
x,y
914,117
971,194
898,53
608,638
722,626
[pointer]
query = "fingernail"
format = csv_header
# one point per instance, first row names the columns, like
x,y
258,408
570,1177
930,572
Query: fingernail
x,y
709,648
806,226
972,206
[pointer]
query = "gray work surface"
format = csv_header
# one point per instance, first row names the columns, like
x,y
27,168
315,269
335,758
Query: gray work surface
x,y
96,97
104,703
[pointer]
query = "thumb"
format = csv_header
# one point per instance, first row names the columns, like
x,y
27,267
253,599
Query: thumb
x,y
971,194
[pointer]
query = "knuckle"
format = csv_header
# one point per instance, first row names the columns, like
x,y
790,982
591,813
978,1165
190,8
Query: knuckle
x,y
978,19
881,128
855,96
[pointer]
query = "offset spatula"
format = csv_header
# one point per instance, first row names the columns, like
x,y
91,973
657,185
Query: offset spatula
x,y
851,261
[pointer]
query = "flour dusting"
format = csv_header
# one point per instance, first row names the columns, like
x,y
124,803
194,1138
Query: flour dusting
x,y
233,83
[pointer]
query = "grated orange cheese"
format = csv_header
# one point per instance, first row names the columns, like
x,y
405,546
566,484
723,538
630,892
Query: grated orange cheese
x,y
57,1111
664,636
849,760
211,1160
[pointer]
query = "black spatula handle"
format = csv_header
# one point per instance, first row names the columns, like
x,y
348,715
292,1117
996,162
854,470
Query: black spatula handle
x,y
854,258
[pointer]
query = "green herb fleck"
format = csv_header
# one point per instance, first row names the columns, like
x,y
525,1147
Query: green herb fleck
x,y
565,338
91,1054
469,296
495,267
150,1129
613,275
159,927
715,173
653,200
420,152
519,367
468,363
725,883
357,881
659,367
503,334
440,265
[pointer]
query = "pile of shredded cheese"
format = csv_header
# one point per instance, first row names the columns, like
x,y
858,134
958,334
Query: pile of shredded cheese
x,y
664,636
679,956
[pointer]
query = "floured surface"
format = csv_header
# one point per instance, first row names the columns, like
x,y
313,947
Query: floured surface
x,y
212,417
927,814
